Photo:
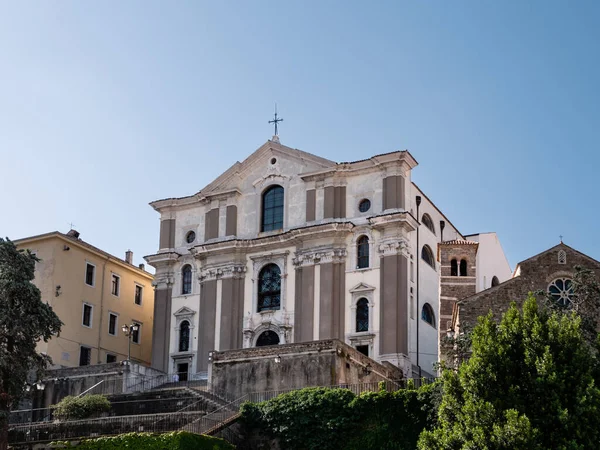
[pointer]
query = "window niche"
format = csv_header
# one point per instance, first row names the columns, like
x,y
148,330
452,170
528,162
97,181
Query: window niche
x,y
427,256
184,330
361,315
186,280
427,314
269,282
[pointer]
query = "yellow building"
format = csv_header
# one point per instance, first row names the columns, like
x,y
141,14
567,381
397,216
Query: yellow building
x,y
94,294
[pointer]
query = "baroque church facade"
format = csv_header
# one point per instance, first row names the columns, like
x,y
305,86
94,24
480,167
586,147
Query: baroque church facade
x,y
289,247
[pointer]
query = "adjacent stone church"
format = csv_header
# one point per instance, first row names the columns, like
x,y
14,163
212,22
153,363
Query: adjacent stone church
x,y
551,271
289,247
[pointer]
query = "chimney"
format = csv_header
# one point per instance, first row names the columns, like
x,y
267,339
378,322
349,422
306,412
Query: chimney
x,y
73,233
142,266
129,257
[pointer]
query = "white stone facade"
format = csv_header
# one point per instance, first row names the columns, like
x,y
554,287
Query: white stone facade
x,y
316,255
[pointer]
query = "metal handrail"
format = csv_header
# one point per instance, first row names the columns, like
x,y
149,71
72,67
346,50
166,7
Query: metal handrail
x,y
217,419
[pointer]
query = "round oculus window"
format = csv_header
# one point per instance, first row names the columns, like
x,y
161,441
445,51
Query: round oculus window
x,y
190,237
273,160
364,205
561,290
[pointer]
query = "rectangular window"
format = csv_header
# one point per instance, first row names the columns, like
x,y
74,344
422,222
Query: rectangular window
x,y
87,315
412,271
85,356
111,358
116,285
138,294
112,324
90,274
135,337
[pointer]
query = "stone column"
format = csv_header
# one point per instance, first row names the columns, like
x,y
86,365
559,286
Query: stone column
x,y
232,307
393,332
161,327
207,314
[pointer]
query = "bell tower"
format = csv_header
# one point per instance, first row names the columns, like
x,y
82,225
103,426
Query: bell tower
x,y
458,280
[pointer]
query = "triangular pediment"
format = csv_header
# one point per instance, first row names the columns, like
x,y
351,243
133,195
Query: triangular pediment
x,y
362,287
230,179
184,311
534,260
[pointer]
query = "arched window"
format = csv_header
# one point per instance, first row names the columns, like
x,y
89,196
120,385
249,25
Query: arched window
x,y
269,288
362,315
184,336
427,314
186,279
267,338
453,268
427,256
495,281
362,252
272,209
426,220
463,267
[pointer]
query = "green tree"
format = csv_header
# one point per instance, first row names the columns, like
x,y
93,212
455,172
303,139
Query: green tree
x,y
24,320
529,384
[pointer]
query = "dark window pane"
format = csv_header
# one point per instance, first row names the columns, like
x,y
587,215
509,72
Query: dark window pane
x,y
269,288
112,324
184,336
186,280
427,256
89,275
362,315
135,337
87,315
427,314
267,338
272,209
362,250
85,356
111,358
138,295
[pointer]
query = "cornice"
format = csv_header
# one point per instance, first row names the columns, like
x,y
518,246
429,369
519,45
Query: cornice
x,y
162,259
394,218
275,241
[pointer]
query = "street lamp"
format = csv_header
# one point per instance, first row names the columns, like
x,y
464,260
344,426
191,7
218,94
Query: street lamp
x,y
129,330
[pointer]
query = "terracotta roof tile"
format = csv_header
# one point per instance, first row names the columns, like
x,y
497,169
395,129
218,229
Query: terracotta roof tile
x,y
459,242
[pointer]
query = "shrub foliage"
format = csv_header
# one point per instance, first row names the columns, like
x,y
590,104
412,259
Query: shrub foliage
x,y
74,408
177,440
328,419
529,384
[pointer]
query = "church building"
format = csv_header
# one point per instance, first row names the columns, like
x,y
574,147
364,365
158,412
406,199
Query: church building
x,y
289,247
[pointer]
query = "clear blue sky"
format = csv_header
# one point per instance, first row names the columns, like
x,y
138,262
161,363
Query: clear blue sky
x,y
107,106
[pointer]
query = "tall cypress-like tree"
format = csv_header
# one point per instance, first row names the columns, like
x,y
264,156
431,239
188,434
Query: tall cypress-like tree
x,y
24,320
529,384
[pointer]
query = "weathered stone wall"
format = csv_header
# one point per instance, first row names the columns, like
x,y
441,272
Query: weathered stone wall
x,y
317,363
533,274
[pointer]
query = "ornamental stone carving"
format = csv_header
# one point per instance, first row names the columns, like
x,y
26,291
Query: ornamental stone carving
x,y
222,271
395,246
320,255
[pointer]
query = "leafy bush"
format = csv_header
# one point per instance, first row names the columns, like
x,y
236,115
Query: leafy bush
x,y
322,418
74,408
529,384
177,440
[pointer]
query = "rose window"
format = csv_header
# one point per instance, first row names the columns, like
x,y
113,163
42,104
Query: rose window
x,y
561,290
